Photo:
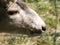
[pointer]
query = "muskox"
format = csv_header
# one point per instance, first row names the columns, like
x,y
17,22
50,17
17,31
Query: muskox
x,y
18,16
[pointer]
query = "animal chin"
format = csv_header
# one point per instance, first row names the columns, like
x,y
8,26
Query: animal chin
x,y
36,32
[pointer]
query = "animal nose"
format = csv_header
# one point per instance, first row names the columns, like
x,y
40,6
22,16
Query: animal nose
x,y
43,28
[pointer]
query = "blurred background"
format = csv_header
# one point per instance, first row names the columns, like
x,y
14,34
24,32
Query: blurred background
x,y
46,10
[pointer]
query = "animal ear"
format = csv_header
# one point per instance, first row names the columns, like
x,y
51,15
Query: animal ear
x,y
22,4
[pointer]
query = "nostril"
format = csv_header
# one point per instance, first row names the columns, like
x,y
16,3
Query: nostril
x,y
43,28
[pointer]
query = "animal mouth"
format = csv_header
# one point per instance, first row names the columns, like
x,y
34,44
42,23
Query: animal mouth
x,y
38,31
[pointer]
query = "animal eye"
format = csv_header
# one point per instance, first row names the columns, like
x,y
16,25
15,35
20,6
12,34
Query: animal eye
x,y
12,12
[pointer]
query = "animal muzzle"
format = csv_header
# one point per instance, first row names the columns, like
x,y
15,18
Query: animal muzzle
x,y
38,31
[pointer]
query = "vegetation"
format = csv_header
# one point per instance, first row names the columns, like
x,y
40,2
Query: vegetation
x,y
47,11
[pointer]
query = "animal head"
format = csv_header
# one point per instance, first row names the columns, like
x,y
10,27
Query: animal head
x,y
19,15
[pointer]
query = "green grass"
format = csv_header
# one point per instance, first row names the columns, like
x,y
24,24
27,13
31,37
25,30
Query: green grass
x,y
46,11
